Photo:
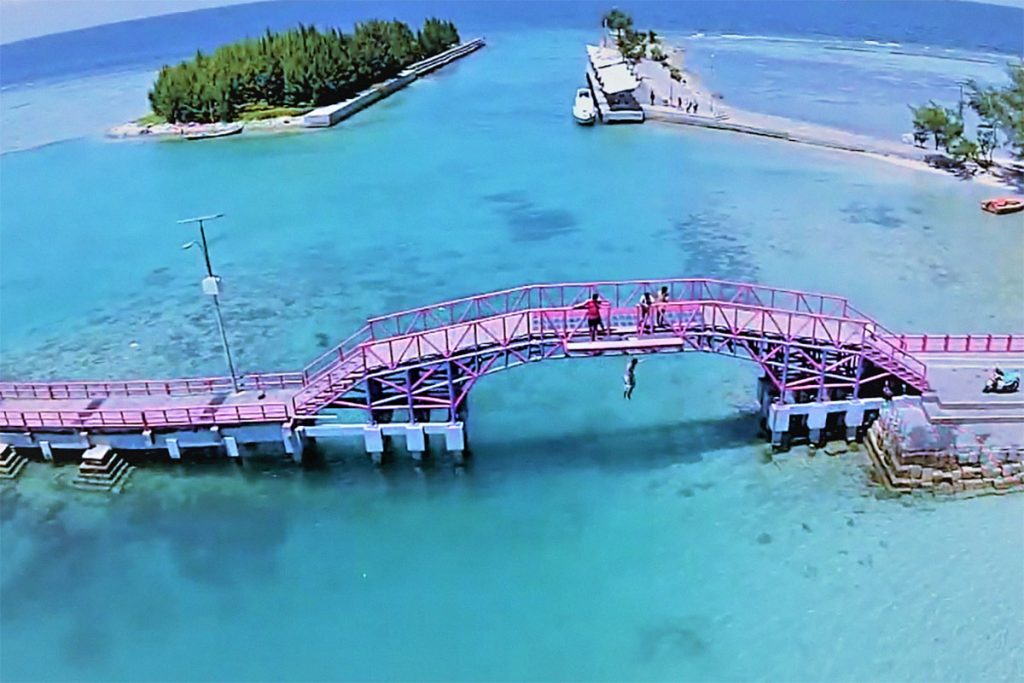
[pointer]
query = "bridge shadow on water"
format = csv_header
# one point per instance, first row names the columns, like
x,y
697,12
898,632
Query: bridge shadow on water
x,y
622,449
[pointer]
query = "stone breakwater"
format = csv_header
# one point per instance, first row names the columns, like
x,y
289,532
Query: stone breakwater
x,y
952,469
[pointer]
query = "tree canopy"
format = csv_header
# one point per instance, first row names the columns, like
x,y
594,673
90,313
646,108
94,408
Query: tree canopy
x,y
1000,111
301,67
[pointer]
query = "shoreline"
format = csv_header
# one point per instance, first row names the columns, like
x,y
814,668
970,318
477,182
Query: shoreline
x,y
727,118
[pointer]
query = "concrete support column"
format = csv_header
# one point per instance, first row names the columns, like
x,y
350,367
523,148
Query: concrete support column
x,y
817,417
853,419
231,446
173,449
778,423
295,443
47,450
455,441
373,438
416,442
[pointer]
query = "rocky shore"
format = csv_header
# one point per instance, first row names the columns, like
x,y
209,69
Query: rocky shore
x,y
972,470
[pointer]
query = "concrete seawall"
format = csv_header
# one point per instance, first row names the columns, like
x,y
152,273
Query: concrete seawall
x,y
324,117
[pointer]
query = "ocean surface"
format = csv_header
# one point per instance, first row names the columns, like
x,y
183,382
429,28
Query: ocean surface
x,y
588,538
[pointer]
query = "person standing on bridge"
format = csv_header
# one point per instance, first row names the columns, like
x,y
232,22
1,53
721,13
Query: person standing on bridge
x,y
593,308
643,312
661,302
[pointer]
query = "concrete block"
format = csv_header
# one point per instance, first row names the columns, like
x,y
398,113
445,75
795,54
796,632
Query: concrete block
x,y
778,418
294,443
817,416
415,441
854,416
231,446
1006,471
927,473
915,471
373,438
454,438
173,449
47,450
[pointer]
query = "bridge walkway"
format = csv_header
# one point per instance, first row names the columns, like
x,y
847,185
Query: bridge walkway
x,y
803,341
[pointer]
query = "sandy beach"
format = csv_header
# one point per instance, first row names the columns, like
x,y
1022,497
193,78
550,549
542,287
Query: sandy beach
x,y
712,112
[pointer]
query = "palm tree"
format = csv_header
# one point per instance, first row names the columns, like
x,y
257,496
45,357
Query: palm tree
x,y
617,20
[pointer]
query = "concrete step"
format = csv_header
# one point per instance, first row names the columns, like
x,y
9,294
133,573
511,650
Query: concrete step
x,y
102,469
11,463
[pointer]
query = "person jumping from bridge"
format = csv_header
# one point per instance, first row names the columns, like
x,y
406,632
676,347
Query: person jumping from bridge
x,y
629,379
594,323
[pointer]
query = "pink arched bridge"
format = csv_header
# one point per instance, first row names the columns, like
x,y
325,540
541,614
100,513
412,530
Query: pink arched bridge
x,y
424,361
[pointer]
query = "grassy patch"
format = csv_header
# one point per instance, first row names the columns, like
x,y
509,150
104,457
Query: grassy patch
x,y
257,113
150,119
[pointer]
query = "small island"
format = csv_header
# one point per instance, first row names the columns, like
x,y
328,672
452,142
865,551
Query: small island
x,y
271,81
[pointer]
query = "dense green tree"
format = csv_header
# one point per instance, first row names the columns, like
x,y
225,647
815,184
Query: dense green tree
x,y
963,149
934,120
302,67
1003,108
632,45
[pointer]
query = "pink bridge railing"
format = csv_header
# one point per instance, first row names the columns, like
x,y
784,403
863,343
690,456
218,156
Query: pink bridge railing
x,y
171,387
616,293
959,343
418,328
147,417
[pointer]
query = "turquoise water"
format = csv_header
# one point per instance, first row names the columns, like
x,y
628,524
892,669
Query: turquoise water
x,y
589,539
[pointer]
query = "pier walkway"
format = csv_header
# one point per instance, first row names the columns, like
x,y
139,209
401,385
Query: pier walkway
x,y
417,367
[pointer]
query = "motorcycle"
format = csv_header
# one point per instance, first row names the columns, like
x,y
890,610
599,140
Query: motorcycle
x,y
1002,384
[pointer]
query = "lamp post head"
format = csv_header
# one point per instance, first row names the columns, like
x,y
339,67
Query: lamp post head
x,y
200,219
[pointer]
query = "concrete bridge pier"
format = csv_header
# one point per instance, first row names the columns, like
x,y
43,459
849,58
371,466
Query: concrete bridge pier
x,y
416,442
375,442
817,417
778,425
455,442
295,443
853,419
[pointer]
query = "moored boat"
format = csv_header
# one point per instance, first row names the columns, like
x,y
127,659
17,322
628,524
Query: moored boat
x,y
218,132
583,110
1001,205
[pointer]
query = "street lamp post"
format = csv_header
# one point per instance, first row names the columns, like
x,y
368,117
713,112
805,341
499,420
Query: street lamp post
x,y
211,287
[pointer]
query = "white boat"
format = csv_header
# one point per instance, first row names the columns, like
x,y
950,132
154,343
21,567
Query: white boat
x,y
583,110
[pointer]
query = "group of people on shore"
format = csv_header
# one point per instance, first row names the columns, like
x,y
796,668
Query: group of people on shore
x,y
690,106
